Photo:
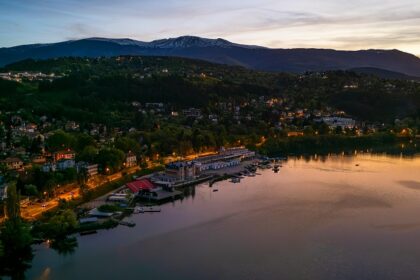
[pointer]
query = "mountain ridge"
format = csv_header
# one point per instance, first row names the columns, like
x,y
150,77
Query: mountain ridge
x,y
296,60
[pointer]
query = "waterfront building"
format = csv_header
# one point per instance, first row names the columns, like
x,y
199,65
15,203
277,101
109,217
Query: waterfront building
x,y
181,171
140,185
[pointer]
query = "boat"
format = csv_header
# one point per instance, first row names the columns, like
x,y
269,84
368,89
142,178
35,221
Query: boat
x,y
149,209
235,180
138,210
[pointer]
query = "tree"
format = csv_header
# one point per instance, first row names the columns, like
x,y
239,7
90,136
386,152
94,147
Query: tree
x,y
70,174
36,145
61,224
1,249
83,141
15,237
60,140
323,129
12,203
31,190
82,176
88,154
111,159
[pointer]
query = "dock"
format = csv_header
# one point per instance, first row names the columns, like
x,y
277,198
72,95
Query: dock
x,y
149,209
127,224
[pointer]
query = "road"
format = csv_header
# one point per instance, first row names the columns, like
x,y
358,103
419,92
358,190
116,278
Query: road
x,y
33,211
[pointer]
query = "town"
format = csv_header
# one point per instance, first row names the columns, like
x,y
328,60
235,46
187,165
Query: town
x,y
85,144
61,154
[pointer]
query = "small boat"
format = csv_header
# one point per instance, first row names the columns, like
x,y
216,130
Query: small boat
x,y
235,180
138,210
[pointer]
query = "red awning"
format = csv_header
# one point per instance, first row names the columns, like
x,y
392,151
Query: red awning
x,y
143,184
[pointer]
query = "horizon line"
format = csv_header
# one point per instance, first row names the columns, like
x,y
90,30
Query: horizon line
x,y
245,44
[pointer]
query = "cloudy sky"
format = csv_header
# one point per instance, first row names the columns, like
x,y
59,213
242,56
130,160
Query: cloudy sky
x,y
339,24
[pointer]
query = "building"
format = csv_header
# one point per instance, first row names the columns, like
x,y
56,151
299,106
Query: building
x,y
38,159
218,165
65,154
49,167
334,122
294,133
192,113
140,185
65,164
181,171
130,159
71,125
12,163
60,165
91,169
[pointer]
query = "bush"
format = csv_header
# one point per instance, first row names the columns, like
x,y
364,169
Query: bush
x,y
109,208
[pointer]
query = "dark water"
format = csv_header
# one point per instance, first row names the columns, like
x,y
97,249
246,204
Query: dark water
x,y
313,220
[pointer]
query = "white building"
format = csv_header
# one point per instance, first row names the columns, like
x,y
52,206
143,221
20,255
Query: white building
x,y
334,122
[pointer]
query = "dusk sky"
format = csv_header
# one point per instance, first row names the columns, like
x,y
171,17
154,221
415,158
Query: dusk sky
x,y
339,24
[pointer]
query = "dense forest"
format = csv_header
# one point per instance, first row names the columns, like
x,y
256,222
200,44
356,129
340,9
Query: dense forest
x,y
92,87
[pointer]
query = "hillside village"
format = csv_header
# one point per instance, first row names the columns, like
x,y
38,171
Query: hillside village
x,y
47,145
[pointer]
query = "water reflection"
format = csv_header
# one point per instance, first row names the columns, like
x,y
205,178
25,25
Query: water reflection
x,y
65,246
329,217
15,265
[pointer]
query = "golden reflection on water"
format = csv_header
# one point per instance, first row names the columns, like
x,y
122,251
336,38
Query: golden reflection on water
x,y
320,217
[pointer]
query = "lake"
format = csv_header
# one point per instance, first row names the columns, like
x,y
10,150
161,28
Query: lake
x,y
334,217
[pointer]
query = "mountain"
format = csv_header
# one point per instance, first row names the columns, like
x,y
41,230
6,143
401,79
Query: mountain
x,y
384,74
224,52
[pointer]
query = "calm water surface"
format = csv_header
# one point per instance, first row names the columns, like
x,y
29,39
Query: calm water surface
x,y
317,219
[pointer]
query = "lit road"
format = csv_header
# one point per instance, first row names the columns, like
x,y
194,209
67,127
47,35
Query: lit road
x,y
33,211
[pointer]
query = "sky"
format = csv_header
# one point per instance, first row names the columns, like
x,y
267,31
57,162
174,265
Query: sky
x,y
338,24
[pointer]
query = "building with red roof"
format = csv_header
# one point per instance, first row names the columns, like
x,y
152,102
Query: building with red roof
x,y
140,185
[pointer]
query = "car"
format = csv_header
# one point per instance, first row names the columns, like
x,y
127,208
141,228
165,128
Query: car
x,y
44,205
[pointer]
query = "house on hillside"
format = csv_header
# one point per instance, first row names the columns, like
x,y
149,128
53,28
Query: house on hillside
x,y
65,164
91,169
130,159
12,163
64,154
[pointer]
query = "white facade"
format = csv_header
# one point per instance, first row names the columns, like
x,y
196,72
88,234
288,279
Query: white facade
x,y
337,121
